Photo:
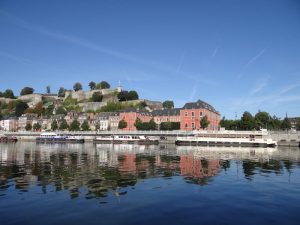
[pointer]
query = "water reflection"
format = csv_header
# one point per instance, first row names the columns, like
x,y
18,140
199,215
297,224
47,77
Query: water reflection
x,y
94,171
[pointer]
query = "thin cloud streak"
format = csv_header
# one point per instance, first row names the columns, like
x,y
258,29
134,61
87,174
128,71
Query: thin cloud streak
x,y
194,92
251,61
181,61
215,52
289,88
15,58
262,83
89,45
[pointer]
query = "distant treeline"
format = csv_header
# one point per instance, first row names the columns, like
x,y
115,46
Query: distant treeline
x,y
260,120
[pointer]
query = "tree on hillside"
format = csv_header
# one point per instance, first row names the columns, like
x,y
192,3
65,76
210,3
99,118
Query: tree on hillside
x,y
27,91
61,92
92,85
61,110
204,122
103,85
1,95
77,86
122,96
48,89
74,126
122,124
63,125
36,127
132,95
8,94
38,109
85,126
54,125
20,108
168,104
97,97
49,110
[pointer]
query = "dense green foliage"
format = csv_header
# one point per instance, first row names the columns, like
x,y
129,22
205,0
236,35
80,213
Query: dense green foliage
x,y
204,122
85,126
298,124
36,127
63,125
259,121
151,125
168,104
97,126
77,86
75,125
92,85
103,85
8,93
20,108
285,124
48,89
71,104
61,110
28,127
170,126
27,91
54,125
127,96
61,92
122,124
97,97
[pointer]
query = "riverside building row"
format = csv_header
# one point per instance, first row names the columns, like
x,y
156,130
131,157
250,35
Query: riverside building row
x,y
189,117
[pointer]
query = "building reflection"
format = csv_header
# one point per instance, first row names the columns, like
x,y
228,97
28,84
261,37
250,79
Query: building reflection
x,y
103,169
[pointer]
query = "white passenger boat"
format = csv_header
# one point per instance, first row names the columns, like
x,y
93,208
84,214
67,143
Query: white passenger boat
x,y
50,137
228,138
130,139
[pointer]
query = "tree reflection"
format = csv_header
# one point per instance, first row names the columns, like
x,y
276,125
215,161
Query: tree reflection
x,y
98,172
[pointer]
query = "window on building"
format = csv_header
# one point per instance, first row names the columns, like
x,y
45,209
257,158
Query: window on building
x,y
186,125
193,114
193,125
200,114
185,113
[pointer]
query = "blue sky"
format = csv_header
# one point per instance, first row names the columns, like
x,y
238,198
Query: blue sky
x,y
236,55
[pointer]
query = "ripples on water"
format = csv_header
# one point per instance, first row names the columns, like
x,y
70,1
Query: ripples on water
x,y
131,184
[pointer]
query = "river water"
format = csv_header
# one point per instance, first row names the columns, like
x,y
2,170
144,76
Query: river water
x,y
131,184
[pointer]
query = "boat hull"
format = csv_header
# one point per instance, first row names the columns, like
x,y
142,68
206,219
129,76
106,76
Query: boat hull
x,y
139,142
58,140
229,144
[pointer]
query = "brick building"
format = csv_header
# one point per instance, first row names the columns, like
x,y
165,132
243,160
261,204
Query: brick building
x,y
131,114
192,113
166,115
